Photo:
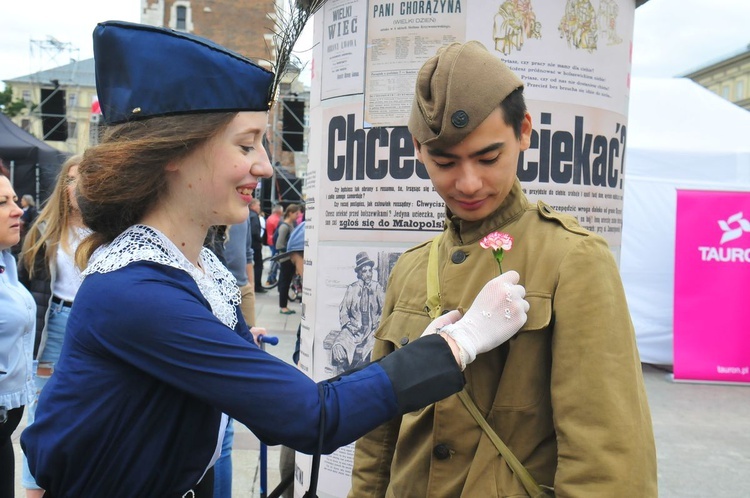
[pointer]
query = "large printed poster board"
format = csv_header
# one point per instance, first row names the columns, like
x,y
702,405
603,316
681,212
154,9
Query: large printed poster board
x,y
369,198
711,287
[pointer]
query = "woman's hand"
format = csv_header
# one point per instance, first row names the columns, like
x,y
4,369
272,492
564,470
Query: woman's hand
x,y
257,332
497,313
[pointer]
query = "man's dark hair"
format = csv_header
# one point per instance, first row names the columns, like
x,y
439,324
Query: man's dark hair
x,y
514,110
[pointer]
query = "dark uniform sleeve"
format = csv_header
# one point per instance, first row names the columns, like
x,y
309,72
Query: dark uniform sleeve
x,y
423,372
174,337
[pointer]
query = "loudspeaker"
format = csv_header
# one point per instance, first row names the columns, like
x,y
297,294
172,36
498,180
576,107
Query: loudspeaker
x,y
53,109
293,125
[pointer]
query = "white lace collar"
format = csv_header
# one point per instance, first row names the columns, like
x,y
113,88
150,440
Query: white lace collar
x,y
144,243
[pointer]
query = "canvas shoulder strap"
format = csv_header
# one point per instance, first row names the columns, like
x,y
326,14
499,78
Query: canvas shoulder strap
x,y
434,305
529,484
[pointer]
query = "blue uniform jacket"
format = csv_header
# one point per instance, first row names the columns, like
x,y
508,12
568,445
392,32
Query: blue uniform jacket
x,y
146,370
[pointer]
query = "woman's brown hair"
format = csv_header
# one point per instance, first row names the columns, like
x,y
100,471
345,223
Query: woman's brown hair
x,y
121,179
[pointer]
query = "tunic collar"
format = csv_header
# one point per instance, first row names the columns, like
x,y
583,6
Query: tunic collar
x,y
469,232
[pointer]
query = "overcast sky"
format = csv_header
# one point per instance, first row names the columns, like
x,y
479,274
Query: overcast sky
x,y
671,38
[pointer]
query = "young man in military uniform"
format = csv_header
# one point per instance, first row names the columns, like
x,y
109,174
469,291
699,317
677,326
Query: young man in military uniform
x,y
566,394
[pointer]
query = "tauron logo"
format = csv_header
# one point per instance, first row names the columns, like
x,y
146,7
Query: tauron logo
x,y
734,227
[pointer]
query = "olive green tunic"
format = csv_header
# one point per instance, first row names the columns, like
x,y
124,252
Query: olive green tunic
x,y
566,394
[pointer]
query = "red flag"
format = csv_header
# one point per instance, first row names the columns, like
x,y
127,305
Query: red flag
x,y
95,107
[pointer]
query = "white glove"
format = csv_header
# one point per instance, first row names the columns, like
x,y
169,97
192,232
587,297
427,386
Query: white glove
x,y
498,312
440,322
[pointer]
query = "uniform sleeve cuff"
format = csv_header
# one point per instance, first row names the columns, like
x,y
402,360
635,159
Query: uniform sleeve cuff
x,y
423,372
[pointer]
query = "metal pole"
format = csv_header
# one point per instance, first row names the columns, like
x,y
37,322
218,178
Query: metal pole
x,y
37,182
263,340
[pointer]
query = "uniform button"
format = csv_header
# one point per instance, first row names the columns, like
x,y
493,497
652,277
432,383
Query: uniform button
x,y
404,341
441,451
460,119
458,257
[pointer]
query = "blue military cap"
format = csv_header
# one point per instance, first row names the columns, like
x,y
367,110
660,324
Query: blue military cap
x,y
145,71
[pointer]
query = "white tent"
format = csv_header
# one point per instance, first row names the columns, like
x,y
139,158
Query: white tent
x,y
680,136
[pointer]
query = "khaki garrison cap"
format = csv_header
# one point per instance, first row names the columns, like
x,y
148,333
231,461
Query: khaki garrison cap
x,y
456,90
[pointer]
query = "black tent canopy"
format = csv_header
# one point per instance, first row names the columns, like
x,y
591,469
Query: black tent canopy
x,y
33,164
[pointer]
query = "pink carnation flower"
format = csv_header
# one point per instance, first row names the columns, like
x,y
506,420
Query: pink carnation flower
x,y
499,242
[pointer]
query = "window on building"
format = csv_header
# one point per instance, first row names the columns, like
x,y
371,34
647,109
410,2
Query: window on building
x,y
26,96
725,91
72,129
72,100
739,90
25,124
181,14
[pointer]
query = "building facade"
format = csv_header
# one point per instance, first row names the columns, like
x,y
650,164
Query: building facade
x,y
72,90
245,26
729,78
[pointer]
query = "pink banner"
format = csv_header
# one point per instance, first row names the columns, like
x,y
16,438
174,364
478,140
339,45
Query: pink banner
x,y
712,286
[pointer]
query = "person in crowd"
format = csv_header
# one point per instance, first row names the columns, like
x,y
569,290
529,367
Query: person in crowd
x,y
256,234
47,269
157,354
272,222
239,257
573,367
262,219
17,324
215,239
28,204
286,267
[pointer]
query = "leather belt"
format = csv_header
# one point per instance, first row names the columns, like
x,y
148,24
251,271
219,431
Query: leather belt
x,y
44,370
64,303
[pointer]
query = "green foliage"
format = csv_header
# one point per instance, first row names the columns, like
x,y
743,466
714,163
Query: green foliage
x,y
8,106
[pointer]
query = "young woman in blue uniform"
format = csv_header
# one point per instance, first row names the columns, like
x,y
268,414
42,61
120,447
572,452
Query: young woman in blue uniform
x,y
156,354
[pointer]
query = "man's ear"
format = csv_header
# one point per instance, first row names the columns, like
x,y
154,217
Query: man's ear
x,y
418,149
526,132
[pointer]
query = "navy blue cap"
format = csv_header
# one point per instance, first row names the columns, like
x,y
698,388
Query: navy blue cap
x,y
145,71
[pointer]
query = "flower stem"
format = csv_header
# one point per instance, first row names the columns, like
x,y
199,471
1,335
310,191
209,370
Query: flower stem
x,y
499,258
